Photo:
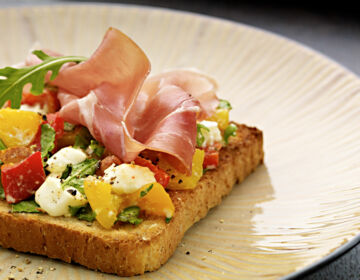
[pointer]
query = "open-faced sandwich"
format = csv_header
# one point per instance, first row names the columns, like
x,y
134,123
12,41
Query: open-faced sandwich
x,y
106,167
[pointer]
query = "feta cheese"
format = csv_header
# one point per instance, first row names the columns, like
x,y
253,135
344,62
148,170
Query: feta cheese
x,y
69,155
128,178
213,135
55,200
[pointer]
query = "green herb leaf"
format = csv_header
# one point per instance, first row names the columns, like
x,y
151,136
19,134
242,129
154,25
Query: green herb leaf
x,y
224,104
2,145
68,126
229,131
66,172
130,215
47,139
143,193
200,138
83,138
26,206
168,220
83,213
13,80
96,148
78,172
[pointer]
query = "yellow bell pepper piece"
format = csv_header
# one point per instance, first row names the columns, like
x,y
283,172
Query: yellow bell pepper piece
x,y
17,127
180,181
105,204
154,200
221,116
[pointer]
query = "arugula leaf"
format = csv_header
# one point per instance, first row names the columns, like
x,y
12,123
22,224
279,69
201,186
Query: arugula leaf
x,y
82,139
13,80
143,193
200,138
229,131
66,172
83,212
224,104
26,206
130,215
2,145
47,139
79,171
96,148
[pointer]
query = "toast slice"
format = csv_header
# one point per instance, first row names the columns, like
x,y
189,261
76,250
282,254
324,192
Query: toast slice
x,y
130,250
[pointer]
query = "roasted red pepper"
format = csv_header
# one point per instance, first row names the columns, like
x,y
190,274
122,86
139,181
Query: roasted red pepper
x,y
160,175
21,180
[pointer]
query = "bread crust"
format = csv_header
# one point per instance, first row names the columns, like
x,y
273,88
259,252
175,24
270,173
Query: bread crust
x,y
131,250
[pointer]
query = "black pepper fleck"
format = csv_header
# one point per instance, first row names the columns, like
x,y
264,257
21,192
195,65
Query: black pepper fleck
x,y
187,253
180,181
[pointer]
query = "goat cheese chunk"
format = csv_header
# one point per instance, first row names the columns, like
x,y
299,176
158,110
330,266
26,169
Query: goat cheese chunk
x,y
212,135
128,178
69,155
55,200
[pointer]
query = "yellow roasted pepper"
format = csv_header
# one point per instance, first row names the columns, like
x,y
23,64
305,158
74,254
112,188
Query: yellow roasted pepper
x,y
154,200
17,127
221,116
180,181
105,204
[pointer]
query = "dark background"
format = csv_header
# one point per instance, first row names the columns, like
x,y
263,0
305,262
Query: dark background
x,y
330,28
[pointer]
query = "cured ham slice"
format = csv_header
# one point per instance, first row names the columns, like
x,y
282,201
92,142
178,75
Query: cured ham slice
x,y
102,94
108,95
200,86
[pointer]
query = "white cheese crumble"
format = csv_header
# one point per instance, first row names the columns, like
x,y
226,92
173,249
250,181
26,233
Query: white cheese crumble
x,y
213,135
36,108
128,178
69,155
55,200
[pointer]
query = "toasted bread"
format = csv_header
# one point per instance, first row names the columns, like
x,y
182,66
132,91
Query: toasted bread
x,y
130,250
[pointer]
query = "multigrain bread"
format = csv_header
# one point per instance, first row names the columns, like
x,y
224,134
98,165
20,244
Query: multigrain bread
x,y
130,250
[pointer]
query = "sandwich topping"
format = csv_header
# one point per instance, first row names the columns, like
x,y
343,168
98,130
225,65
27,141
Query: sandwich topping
x,y
100,140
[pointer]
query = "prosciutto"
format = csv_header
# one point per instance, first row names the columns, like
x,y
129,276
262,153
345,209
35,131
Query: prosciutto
x,y
109,95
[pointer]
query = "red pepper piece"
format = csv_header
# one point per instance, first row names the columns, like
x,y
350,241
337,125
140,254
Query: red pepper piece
x,y
160,175
21,180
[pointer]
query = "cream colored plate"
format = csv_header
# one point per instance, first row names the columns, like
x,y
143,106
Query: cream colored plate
x,y
297,208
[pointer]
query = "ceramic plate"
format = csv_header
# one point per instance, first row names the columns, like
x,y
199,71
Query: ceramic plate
x,y
296,209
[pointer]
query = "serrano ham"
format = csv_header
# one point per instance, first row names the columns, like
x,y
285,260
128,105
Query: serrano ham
x,y
108,95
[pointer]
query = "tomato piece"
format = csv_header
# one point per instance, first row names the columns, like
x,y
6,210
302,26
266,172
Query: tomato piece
x,y
160,175
57,124
48,99
211,159
21,180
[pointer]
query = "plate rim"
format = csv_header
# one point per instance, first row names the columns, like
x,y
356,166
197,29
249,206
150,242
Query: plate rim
x,y
335,254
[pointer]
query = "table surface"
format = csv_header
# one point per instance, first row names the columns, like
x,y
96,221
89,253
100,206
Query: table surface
x,y
334,31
